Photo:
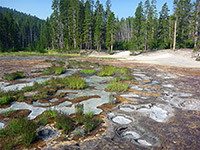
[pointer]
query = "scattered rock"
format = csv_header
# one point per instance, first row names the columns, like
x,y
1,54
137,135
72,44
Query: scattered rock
x,y
121,120
2,125
48,133
144,142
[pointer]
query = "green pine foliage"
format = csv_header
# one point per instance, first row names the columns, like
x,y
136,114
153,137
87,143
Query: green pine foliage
x,y
75,25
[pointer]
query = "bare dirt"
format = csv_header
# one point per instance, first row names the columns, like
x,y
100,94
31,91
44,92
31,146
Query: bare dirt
x,y
179,58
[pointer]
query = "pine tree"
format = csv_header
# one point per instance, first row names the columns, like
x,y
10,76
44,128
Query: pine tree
x,y
2,33
183,26
138,38
88,25
110,31
99,25
163,32
196,18
11,32
57,26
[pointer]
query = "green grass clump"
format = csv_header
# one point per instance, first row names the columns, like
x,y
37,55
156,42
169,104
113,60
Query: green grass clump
x,y
64,122
107,71
110,70
88,71
19,130
13,76
198,59
54,70
89,122
75,82
6,99
60,70
117,86
79,109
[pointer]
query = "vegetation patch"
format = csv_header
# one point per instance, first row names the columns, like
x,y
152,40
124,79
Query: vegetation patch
x,y
124,73
18,131
89,122
76,82
118,86
54,70
88,71
13,76
198,59
6,99
64,122
107,71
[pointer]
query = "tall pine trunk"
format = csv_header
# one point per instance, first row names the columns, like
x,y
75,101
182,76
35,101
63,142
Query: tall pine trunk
x,y
197,24
174,40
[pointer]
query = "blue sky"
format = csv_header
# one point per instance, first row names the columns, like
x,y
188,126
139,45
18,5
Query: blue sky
x,y
42,8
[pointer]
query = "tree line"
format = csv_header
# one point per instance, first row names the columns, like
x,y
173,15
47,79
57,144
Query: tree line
x,y
77,24
19,31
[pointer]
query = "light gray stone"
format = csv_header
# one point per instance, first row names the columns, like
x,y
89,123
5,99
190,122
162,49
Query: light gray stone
x,y
121,120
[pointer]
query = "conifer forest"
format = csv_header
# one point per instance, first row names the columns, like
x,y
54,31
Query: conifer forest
x,y
77,24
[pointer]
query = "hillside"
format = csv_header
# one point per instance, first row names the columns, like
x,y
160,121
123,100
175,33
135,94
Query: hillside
x,y
18,30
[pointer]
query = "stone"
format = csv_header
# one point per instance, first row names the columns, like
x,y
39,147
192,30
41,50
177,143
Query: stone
x,y
144,142
2,125
121,120
136,88
35,111
126,109
168,85
53,100
48,133
130,134
37,103
130,95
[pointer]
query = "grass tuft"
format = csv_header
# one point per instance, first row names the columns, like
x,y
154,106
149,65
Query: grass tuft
x,y
117,86
64,122
13,76
75,82
88,71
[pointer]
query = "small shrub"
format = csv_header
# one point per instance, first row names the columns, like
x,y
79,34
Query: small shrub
x,y
117,87
117,79
22,97
107,71
59,70
64,122
45,73
25,129
79,108
13,76
29,133
76,82
89,122
6,99
54,70
88,71
111,53
50,113
43,120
